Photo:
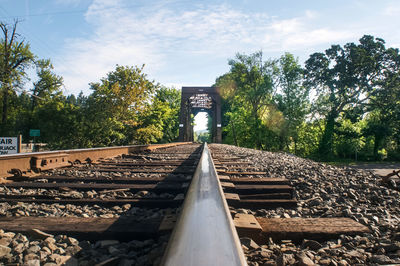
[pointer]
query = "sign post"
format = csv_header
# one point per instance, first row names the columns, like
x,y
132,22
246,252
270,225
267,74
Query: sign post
x,y
19,141
34,133
9,145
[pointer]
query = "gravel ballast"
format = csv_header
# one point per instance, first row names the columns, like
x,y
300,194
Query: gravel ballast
x,y
321,190
328,191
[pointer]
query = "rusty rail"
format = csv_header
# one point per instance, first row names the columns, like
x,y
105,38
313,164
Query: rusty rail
x,y
26,163
205,233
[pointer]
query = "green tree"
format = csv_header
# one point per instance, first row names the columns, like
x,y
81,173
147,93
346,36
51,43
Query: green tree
x,y
384,107
309,135
227,88
20,117
168,100
202,137
15,57
345,78
48,83
60,123
348,138
253,88
114,106
292,100
46,104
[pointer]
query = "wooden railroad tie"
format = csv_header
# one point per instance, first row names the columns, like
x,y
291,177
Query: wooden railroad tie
x,y
116,180
258,228
258,193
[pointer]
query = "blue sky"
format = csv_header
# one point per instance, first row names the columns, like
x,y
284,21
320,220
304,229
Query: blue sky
x,y
186,43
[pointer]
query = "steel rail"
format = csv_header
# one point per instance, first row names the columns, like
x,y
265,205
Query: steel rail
x,y
24,161
204,233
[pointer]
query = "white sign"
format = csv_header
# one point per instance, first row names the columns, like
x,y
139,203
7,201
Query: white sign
x,y
218,125
180,125
8,145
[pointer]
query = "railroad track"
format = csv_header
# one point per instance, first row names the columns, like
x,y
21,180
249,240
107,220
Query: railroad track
x,y
120,208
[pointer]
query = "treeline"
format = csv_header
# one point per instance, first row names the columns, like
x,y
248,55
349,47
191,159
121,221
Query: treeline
x,y
344,103
125,107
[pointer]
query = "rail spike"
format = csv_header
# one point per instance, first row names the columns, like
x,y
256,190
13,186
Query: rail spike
x,y
205,233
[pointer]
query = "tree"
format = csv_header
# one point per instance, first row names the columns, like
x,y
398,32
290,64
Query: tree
x,y
114,107
254,85
384,106
345,78
125,91
48,83
59,123
202,137
15,58
292,100
159,121
169,101
348,138
227,88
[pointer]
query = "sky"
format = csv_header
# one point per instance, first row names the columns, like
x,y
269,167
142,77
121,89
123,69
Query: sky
x,y
188,43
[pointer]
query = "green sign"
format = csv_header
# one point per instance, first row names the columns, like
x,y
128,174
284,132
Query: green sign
x,y
34,132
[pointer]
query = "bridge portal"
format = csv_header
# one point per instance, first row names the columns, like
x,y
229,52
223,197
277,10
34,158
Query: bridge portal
x,y
195,100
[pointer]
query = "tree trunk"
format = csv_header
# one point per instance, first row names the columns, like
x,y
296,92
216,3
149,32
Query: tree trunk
x,y
282,142
377,141
234,133
295,139
257,129
258,135
5,106
326,144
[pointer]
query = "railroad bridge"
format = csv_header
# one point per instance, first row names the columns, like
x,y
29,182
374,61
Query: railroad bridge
x,y
195,100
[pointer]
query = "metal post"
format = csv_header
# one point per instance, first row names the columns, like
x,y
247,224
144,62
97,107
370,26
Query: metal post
x,y
19,142
182,119
218,117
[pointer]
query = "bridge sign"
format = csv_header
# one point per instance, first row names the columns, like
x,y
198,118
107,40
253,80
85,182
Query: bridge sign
x,y
8,145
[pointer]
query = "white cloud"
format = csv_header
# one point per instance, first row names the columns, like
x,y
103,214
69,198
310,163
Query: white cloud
x,y
392,9
316,37
302,32
288,26
169,40
311,14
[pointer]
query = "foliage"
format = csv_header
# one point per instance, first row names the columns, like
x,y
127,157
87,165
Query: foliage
x,y
48,85
113,109
249,83
255,116
346,79
149,134
202,137
354,111
167,101
309,135
292,100
58,122
15,58
348,139
354,114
